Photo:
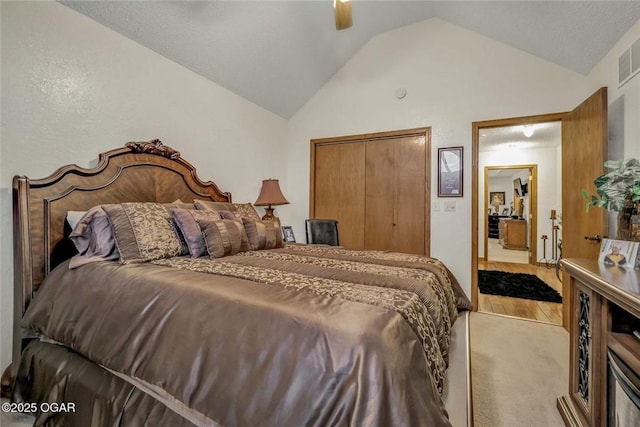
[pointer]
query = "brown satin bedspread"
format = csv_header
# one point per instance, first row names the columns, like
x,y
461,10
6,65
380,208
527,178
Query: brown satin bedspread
x,y
299,336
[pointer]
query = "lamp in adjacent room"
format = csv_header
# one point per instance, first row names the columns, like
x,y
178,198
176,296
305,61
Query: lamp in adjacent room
x,y
270,195
342,9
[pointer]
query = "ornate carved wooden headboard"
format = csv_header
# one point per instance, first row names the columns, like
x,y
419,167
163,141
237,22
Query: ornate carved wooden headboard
x,y
138,172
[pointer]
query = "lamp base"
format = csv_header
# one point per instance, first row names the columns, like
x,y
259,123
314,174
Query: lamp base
x,y
268,215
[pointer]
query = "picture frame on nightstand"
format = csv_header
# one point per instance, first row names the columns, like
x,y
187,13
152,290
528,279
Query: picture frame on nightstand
x,y
287,234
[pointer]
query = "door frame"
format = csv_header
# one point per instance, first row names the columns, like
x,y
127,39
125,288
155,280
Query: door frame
x,y
476,127
532,226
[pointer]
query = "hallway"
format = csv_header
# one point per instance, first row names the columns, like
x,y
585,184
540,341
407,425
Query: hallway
x,y
547,312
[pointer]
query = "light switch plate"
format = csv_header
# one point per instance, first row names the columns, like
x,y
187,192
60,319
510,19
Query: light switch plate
x,y
450,206
435,206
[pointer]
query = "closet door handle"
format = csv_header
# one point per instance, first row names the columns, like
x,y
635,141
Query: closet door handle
x,y
595,238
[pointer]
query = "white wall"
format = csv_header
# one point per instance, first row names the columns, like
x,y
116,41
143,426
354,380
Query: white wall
x,y
624,102
453,77
72,88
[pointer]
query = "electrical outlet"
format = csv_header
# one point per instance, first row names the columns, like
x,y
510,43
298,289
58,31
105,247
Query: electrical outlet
x,y
435,206
450,206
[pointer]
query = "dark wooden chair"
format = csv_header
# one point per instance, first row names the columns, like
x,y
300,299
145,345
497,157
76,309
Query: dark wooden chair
x,y
322,231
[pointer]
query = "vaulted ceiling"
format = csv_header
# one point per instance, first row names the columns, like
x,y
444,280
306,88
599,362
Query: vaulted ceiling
x,y
277,54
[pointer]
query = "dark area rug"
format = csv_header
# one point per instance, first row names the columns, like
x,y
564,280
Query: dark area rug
x,y
516,285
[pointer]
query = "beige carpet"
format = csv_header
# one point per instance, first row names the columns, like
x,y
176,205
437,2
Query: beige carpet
x,y
519,368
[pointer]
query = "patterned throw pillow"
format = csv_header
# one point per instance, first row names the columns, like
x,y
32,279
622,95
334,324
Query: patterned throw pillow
x,y
183,205
209,205
246,210
187,220
144,231
223,237
263,234
241,210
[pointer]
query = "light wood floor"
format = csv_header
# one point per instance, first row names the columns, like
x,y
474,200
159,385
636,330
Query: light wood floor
x,y
547,312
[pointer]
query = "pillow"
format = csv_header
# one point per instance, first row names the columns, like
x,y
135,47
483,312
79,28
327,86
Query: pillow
x,y
229,215
223,237
183,205
74,217
246,210
93,238
187,221
213,206
240,209
144,231
263,234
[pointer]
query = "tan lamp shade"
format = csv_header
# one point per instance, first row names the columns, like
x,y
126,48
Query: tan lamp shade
x,y
270,194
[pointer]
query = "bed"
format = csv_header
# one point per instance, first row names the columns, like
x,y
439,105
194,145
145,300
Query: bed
x,y
259,333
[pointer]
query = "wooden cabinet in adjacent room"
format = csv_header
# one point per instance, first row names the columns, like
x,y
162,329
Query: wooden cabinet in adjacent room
x,y
377,187
513,234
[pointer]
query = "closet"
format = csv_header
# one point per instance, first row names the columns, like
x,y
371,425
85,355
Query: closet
x,y
377,187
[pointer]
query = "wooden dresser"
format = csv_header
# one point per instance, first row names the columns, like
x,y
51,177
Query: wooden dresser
x,y
605,310
513,234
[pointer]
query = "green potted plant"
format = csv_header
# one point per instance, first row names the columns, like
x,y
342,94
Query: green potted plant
x,y
619,191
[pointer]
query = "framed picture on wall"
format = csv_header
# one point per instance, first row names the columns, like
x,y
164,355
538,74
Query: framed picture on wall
x,y
450,172
496,197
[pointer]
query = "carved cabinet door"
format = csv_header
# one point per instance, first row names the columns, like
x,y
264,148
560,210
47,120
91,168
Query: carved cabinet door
x,y
586,381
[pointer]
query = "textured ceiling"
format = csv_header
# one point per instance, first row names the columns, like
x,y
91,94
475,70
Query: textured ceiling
x,y
277,54
544,135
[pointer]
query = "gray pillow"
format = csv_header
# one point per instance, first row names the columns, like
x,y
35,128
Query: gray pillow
x,y
93,238
187,221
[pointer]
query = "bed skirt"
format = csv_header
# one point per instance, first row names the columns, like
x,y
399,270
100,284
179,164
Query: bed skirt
x,y
83,394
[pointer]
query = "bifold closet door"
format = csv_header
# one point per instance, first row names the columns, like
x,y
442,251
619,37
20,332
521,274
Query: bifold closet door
x,y
396,174
376,185
339,189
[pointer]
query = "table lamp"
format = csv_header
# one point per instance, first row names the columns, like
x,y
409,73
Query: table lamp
x,y
270,195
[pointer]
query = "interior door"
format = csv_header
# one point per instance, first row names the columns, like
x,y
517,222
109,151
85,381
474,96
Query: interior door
x,y
339,189
410,180
395,194
379,194
584,148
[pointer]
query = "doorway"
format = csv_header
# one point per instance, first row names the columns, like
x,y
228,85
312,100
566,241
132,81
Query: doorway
x,y
584,144
510,194
519,160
